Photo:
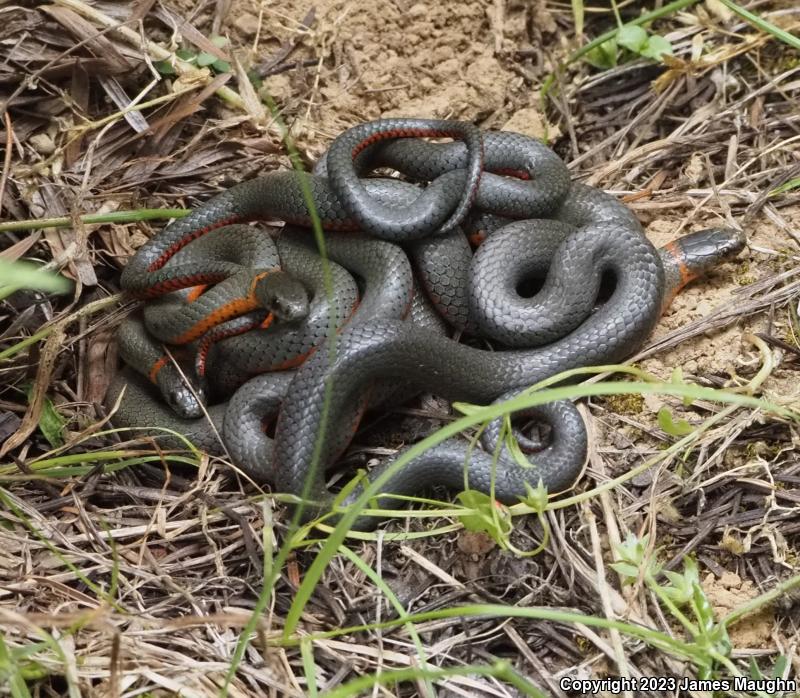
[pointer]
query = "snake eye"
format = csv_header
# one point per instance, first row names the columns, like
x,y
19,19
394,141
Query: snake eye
x,y
173,398
279,309
184,403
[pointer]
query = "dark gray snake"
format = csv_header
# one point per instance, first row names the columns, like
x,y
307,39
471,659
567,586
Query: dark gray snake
x,y
568,235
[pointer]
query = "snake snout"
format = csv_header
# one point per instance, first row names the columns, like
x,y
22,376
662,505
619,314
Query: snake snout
x,y
707,248
290,309
185,401
712,246
694,255
285,297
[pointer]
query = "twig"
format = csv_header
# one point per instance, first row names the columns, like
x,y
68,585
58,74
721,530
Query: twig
x,y
7,158
145,214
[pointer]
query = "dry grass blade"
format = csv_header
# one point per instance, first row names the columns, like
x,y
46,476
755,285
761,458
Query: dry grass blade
x,y
46,364
191,34
84,31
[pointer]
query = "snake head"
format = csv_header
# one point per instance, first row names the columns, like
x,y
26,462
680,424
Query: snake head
x,y
695,254
285,297
185,400
705,249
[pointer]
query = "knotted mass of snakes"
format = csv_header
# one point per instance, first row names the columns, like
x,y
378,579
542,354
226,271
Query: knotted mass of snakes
x,y
473,276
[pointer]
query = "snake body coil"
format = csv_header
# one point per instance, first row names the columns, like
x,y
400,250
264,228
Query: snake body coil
x,y
568,236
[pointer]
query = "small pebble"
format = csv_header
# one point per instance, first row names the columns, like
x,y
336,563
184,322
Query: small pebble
x,y
246,24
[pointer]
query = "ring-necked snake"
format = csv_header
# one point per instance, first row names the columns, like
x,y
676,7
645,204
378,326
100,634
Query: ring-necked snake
x,y
571,236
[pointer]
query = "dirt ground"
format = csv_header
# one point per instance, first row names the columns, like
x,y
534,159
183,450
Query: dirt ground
x,y
706,150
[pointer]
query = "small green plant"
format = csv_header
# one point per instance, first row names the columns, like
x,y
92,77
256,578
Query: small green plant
x,y
672,426
201,59
630,40
51,422
637,563
483,512
485,515
18,668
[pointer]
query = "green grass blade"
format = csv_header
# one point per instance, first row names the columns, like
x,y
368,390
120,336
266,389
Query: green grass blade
x,y
17,275
763,24
10,673
501,670
144,214
309,667
655,638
